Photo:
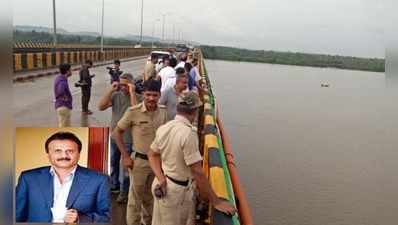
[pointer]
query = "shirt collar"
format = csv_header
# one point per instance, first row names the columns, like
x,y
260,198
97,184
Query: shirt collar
x,y
144,109
183,119
62,77
71,174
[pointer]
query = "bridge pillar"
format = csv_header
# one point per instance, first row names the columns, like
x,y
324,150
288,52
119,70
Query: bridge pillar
x,y
29,60
49,60
17,62
66,57
72,57
57,58
39,60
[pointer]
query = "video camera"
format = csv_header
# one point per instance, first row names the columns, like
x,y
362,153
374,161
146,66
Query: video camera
x,y
113,71
80,84
139,86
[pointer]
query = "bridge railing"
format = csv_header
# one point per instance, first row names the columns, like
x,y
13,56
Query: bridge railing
x,y
218,162
38,56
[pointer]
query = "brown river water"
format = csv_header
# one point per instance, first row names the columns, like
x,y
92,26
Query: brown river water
x,y
311,155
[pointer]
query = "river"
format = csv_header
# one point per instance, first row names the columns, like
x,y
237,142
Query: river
x,y
311,155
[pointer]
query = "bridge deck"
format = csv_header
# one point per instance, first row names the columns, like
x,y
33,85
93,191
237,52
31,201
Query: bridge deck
x,y
34,106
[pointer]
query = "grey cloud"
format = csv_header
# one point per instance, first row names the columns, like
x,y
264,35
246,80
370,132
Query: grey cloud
x,y
348,27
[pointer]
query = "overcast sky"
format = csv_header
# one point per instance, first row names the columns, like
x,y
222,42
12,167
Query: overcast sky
x,y
344,27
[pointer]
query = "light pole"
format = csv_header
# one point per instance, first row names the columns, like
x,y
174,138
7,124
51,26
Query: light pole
x,y
171,32
102,27
54,25
153,30
142,19
174,32
164,20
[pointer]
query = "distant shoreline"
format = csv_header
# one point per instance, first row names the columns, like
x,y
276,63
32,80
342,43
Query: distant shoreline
x,y
226,60
295,59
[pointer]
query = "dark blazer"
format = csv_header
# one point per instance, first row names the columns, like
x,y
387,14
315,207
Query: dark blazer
x,y
89,195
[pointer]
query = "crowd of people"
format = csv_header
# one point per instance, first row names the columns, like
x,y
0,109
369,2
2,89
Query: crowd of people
x,y
156,165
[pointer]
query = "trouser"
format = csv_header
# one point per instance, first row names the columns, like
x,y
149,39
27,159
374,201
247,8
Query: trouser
x,y
140,196
63,114
177,207
86,93
119,175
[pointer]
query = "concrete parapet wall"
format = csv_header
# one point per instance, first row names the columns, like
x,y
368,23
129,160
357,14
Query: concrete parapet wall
x,y
38,56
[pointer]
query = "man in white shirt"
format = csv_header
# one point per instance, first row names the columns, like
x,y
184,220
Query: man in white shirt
x,y
167,75
170,95
183,58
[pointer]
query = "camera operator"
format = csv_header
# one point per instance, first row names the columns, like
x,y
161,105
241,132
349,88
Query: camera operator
x,y
120,97
115,72
85,84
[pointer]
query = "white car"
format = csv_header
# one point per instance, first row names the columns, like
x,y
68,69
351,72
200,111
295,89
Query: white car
x,y
159,54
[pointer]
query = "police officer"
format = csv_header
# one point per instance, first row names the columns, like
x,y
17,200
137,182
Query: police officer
x,y
176,161
149,68
143,119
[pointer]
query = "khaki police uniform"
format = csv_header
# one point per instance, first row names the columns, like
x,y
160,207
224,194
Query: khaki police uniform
x,y
148,70
143,125
178,145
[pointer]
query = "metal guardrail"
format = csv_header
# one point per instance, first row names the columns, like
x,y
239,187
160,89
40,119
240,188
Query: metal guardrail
x,y
32,45
218,160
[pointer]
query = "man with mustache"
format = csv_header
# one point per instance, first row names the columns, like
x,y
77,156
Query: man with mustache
x,y
143,119
63,192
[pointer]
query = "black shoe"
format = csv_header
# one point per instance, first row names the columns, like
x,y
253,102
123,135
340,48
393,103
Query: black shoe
x,y
122,198
87,112
115,190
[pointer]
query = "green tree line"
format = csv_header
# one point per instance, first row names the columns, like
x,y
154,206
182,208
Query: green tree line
x,y
293,58
45,37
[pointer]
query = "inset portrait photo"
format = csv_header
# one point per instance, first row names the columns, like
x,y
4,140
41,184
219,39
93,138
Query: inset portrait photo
x,y
61,175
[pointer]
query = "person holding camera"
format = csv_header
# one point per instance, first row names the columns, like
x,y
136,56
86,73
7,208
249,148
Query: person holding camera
x,y
115,72
85,84
120,97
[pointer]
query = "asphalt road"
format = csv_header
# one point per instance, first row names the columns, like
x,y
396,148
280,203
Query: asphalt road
x,y
34,100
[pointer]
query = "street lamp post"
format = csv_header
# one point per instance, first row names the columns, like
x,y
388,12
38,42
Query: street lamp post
x,y
174,29
54,25
164,20
153,30
102,27
142,20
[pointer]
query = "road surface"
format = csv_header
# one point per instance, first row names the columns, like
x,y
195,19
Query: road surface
x,y
34,100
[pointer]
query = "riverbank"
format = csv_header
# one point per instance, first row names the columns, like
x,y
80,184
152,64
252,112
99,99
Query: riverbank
x,y
293,58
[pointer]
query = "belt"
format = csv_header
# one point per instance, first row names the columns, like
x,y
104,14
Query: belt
x,y
182,183
141,156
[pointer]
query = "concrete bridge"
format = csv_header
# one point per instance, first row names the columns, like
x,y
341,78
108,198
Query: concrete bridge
x,y
34,69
